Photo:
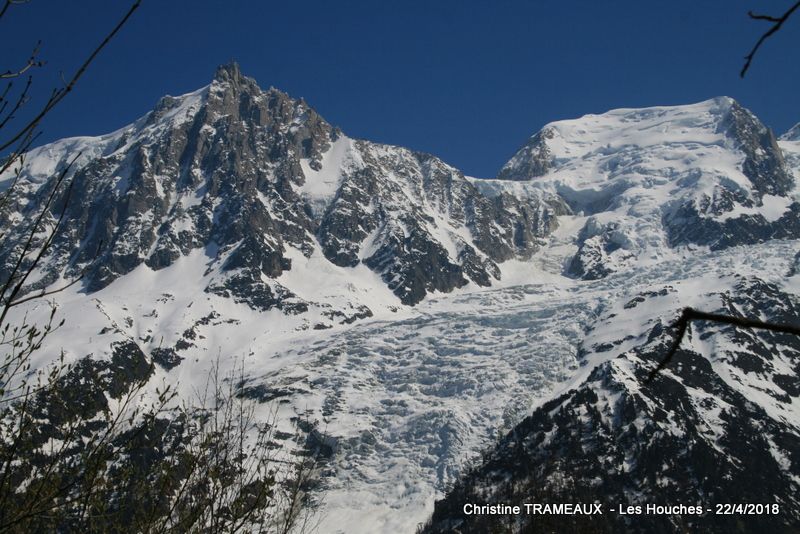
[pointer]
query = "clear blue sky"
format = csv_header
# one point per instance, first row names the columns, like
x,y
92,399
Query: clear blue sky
x,y
468,81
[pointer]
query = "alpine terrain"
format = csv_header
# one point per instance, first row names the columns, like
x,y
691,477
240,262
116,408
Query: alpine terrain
x,y
448,338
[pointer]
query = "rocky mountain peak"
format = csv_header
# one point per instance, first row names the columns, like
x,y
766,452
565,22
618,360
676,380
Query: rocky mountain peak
x,y
228,72
764,163
534,159
263,186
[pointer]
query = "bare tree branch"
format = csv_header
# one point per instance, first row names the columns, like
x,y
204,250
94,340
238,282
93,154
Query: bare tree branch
x,y
23,97
690,314
777,23
32,62
59,94
44,293
9,3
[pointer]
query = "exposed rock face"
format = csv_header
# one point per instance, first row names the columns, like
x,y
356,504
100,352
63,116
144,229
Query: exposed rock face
x,y
603,250
763,161
686,226
250,176
534,159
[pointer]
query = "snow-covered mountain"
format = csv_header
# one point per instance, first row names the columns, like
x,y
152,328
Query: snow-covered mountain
x,y
652,179
416,315
265,187
704,183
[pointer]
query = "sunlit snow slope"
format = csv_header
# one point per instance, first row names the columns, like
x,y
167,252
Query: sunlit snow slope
x,y
412,314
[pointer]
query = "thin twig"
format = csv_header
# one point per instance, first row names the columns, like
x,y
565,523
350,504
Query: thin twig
x,y
9,3
777,23
32,62
61,93
690,314
23,97
47,293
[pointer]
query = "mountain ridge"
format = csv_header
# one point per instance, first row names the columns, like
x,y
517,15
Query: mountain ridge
x,y
412,314
180,148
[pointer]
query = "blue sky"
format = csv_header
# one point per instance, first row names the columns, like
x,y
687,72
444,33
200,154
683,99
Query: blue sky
x,y
468,81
